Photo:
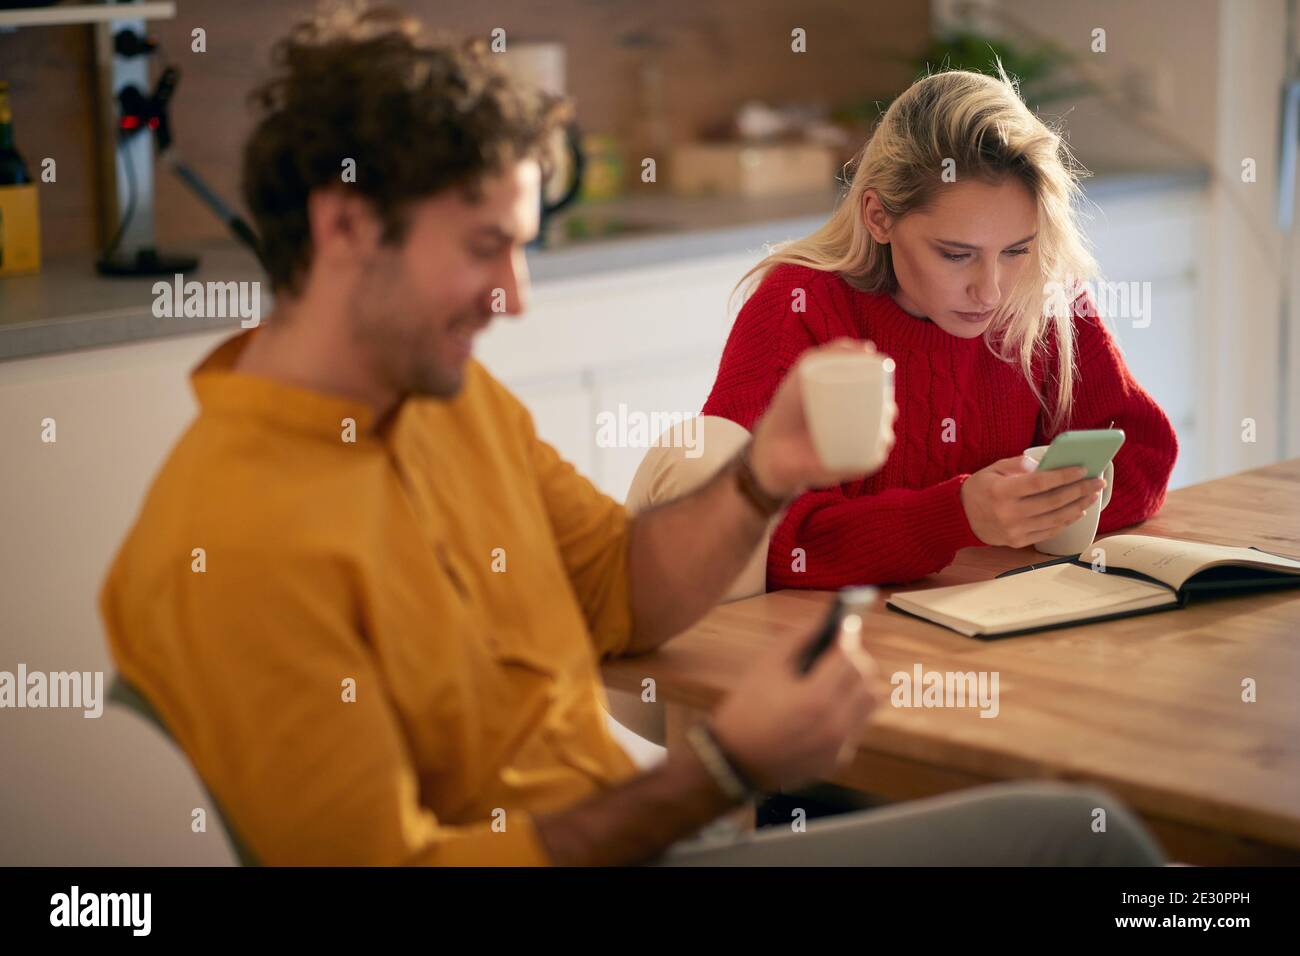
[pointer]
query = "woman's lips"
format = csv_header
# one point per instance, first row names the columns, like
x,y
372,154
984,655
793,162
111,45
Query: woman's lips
x,y
974,317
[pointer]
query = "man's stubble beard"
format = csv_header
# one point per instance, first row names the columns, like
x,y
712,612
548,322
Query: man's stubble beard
x,y
401,349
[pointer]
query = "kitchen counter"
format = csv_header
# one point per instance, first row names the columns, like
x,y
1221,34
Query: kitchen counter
x,y
67,306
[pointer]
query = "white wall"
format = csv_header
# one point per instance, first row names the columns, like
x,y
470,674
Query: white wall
x,y
1243,347
1156,240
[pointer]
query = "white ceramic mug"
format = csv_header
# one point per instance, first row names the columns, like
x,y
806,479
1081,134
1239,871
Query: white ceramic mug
x,y
1077,537
848,400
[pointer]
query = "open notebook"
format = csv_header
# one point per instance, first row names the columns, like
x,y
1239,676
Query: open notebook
x,y
1143,574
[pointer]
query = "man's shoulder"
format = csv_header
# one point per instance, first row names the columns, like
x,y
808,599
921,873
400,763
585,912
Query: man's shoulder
x,y
482,385
223,490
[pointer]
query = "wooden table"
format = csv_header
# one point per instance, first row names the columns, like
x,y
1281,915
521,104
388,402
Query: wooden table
x,y
1149,707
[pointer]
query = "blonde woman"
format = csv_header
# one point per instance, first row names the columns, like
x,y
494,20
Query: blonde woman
x,y
956,251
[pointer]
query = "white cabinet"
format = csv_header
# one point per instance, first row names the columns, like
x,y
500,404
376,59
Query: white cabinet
x,y
561,410
76,791
630,398
648,340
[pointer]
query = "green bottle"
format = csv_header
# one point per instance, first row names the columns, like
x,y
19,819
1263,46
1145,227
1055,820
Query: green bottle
x,y
13,171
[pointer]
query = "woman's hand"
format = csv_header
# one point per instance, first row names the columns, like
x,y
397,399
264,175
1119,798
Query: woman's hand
x,y
1008,505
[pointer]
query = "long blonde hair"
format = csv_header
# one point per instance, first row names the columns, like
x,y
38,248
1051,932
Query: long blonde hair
x,y
978,126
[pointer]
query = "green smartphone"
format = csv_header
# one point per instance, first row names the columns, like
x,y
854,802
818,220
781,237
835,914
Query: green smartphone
x,y
1092,449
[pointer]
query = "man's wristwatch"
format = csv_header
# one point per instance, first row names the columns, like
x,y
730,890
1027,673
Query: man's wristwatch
x,y
730,779
766,504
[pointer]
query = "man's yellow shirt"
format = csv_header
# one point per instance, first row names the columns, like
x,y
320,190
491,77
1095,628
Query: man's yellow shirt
x,y
376,648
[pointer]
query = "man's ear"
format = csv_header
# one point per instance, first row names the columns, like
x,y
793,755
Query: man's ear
x,y
344,226
878,222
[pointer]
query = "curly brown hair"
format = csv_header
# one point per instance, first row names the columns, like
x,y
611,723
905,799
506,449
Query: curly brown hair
x,y
418,112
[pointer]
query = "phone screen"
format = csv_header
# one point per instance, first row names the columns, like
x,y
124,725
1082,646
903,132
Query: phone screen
x,y
1092,450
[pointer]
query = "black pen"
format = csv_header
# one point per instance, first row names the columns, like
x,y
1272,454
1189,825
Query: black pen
x,y
1045,564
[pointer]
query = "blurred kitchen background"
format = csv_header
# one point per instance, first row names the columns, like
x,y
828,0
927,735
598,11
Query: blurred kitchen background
x,y
632,278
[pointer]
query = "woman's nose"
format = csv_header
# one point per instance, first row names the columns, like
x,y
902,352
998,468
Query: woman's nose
x,y
986,291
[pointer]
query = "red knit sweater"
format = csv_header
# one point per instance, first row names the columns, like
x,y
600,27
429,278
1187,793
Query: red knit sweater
x,y
907,520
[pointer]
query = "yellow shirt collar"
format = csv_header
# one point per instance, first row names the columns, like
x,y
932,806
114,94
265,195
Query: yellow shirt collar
x,y
219,388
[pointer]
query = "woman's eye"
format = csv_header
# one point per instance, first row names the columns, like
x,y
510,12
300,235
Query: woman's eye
x,y
963,256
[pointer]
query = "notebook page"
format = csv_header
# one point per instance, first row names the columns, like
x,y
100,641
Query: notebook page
x,y
1173,561
1049,595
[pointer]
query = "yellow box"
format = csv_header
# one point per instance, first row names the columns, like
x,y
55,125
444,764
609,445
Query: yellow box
x,y
20,230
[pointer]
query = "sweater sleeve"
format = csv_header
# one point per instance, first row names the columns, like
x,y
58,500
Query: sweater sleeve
x,y
830,540
899,534
1105,392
